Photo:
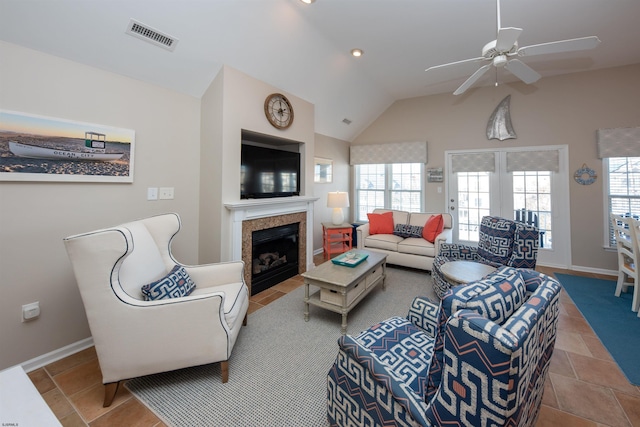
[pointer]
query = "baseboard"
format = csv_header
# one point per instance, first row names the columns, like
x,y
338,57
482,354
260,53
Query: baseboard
x,y
55,355
594,270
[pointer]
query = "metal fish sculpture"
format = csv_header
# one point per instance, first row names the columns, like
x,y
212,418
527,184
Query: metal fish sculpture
x,y
499,125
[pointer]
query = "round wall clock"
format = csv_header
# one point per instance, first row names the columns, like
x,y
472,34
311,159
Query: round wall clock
x,y
278,110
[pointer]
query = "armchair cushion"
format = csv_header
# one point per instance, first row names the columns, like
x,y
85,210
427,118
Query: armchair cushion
x,y
496,239
495,298
176,284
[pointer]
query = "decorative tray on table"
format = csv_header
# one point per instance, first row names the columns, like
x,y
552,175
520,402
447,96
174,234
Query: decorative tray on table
x,y
349,259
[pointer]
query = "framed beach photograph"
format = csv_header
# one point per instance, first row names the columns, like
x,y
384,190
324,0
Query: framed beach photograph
x,y
39,148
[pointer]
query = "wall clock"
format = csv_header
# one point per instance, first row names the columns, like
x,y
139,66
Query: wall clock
x,y
278,110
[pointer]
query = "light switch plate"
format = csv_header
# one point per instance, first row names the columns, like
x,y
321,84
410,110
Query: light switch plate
x,y
152,193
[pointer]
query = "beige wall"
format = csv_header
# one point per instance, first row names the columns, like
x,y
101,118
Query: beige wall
x,y
35,216
338,151
556,110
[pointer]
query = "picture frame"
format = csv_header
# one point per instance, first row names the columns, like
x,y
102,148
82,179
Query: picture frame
x,y
41,148
435,175
322,170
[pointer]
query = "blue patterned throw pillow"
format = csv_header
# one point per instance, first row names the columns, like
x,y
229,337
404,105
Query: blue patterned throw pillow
x,y
176,284
405,230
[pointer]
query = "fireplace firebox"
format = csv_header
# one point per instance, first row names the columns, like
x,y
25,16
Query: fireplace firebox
x,y
274,256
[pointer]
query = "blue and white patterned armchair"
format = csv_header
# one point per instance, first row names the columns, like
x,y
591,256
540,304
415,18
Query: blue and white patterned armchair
x,y
480,357
501,242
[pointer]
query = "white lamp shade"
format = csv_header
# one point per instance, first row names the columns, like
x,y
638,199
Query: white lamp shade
x,y
337,200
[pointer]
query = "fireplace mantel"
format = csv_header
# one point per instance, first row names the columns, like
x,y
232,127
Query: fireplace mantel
x,y
244,210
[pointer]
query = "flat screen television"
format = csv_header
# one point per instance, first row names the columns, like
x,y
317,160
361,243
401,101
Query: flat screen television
x,y
268,172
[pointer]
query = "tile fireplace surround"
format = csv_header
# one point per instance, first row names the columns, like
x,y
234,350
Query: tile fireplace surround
x,y
248,216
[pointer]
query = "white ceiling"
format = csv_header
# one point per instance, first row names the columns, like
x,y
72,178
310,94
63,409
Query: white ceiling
x,y
304,49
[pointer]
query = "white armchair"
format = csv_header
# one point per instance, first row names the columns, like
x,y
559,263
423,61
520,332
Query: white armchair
x,y
134,337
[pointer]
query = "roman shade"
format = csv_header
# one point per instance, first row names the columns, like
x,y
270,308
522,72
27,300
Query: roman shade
x,y
545,160
473,162
618,142
393,152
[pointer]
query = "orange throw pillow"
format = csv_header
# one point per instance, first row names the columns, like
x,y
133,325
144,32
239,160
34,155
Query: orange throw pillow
x,y
433,227
381,223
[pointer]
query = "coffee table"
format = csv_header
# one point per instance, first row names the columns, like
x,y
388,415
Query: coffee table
x,y
342,287
461,272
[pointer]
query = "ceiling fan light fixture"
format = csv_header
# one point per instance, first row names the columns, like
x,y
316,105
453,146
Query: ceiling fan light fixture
x,y
357,53
500,61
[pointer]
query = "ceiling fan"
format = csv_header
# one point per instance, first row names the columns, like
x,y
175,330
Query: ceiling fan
x,y
504,53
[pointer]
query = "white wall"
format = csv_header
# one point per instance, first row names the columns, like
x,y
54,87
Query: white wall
x,y
242,99
558,110
35,216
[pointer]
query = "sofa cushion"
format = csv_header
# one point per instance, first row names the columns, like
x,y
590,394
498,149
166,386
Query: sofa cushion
x,y
387,242
496,297
406,230
417,246
177,283
496,239
433,227
380,223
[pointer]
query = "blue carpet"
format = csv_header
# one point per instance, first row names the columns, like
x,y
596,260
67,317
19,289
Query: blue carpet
x,y
610,317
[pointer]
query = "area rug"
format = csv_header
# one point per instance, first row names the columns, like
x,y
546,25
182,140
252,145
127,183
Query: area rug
x,y
279,365
610,317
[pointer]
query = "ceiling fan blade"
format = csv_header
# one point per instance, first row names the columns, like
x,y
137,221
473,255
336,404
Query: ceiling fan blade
x,y
471,80
582,43
522,71
507,37
452,64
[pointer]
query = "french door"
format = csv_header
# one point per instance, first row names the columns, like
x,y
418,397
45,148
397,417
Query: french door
x,y
529,184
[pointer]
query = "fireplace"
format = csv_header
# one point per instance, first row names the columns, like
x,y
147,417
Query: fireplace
x,y
274,256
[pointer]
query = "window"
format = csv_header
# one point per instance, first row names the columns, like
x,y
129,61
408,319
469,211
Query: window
x,y
532,195
622,189
388,186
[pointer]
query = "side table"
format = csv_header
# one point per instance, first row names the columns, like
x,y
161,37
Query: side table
x,y
336,239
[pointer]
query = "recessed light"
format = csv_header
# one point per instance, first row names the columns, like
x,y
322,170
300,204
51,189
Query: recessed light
x,y
308,1
357,52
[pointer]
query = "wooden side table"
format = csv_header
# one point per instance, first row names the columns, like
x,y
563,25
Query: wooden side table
x,y
336,239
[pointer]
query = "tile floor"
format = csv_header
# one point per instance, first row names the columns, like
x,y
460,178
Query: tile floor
x,y
585,387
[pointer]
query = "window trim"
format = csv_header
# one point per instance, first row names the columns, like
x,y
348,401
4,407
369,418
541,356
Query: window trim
x,y
607,203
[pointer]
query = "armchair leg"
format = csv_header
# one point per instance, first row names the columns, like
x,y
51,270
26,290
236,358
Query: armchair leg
x,y
244,322
110,390
224,367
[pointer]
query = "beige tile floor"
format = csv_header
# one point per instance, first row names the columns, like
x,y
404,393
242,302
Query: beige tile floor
x,y
585,386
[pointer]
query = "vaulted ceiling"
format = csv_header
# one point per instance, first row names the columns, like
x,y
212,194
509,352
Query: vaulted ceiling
x,y
304,49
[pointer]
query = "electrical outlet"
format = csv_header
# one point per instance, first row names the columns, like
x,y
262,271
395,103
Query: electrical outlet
x,y
152,193
30,311
166,193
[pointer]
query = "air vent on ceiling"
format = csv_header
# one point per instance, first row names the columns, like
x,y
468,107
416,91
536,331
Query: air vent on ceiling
x,y
346,121
151,35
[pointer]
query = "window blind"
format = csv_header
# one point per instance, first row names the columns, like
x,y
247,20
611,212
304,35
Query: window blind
x,y
393,152
546,160
618,142
473,162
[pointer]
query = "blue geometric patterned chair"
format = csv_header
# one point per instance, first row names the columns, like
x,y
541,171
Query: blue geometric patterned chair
x,y
480,357
501,242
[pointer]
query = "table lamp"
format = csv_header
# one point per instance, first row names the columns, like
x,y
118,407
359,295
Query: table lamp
x,y
337,200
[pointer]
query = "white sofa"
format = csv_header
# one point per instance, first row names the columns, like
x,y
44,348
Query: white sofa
x,y
414,252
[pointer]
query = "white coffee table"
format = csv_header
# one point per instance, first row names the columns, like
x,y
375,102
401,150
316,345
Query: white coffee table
x,y
342,287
